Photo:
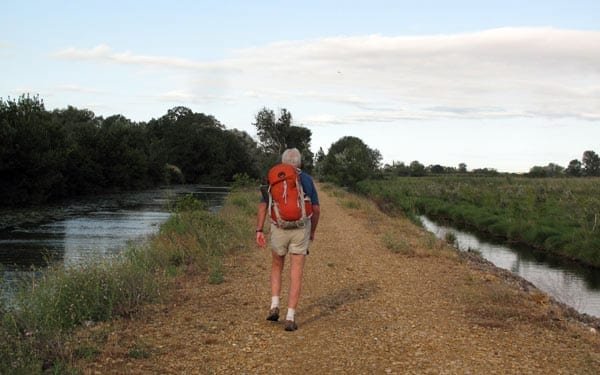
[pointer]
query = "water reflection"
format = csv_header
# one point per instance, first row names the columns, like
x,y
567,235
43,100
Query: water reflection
x,y
105,233
573,285
92,227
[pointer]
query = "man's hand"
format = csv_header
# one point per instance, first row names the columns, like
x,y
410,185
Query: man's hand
x,y
260,239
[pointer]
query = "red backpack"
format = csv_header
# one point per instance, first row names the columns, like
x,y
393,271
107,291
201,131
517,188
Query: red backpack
x,y
286,197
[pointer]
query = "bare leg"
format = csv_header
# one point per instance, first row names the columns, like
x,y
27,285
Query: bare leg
x,y
296,270
276,270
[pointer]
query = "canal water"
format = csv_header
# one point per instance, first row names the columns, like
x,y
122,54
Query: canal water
x,y
574,285
86,228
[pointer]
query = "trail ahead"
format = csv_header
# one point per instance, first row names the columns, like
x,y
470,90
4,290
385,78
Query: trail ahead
x,y
364,309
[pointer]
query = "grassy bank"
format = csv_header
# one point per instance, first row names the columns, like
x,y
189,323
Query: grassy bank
x,y
36,329
561,216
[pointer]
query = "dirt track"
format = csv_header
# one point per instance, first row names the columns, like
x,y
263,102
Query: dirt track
x,y
364,309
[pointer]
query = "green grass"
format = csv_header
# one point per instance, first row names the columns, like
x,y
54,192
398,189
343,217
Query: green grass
x,y
396,244
36,329
450,238
561,216
139,351
351,204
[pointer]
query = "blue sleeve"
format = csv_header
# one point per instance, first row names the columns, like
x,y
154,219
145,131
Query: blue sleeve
x,y
309,188
264,193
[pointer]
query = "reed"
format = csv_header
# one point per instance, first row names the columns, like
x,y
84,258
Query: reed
x,y
561,216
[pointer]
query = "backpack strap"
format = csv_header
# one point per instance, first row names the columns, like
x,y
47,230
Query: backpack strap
x,y
301,195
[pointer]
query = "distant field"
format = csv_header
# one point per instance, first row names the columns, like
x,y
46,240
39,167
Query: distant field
x,y
557,215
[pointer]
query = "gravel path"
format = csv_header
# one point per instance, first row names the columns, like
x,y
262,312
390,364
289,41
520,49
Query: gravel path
x,y
379,296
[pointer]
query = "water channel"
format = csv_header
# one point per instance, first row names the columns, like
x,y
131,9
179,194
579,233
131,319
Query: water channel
x,y
574,285
86,228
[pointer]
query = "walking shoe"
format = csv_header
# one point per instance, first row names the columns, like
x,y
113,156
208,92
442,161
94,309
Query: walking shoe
x,y
290,325
273,314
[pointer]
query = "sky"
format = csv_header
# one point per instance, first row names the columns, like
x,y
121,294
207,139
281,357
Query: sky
x,y
492,84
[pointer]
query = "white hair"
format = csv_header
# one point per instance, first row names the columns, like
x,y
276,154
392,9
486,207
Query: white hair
x,y
292,156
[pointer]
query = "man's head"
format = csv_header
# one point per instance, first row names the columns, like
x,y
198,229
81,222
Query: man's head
x,y
292,156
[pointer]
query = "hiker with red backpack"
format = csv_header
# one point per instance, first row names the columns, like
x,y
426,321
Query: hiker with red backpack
x,y
290,200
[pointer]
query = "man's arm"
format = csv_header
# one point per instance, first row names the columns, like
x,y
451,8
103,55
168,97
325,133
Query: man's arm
x,y
260,223
314,220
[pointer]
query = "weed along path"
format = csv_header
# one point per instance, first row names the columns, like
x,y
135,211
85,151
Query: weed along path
x,y
380,295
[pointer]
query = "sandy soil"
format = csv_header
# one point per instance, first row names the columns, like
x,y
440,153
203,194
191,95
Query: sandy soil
x,y
380,295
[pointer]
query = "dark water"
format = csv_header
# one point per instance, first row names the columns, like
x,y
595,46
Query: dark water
x,y
91,227
576,286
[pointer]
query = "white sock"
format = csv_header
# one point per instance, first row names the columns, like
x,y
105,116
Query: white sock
x,y
290,314
274,302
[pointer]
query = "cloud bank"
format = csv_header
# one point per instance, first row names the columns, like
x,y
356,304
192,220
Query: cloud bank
x,y
498,73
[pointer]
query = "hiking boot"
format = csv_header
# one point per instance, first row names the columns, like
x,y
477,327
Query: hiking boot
x,y
290,325
273,314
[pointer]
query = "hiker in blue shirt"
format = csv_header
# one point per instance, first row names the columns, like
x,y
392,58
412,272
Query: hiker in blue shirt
x,y
288,236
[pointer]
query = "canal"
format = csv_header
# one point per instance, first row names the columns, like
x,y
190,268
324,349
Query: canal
x,y
87,228
572,284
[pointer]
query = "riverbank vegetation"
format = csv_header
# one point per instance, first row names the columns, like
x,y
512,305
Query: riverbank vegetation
x,y
50,155
561,216
36,328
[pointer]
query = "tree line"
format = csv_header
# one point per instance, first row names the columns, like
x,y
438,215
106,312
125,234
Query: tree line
x,y
49,155
588,166
350,160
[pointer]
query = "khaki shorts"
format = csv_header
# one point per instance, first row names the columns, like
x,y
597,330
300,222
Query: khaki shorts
x,y
293,241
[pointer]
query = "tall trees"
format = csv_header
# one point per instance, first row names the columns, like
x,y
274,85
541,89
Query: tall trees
x,y
32,151
272,131
49,155
83,170
277,133
124,151
200,146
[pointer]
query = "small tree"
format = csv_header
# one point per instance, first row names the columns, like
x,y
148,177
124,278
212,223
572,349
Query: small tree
x,y
417,169
591,163
319,160
555,170
574,168
436,169
538,171
349,161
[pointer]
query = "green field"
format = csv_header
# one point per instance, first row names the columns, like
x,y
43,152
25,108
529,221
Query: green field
x,y
561,216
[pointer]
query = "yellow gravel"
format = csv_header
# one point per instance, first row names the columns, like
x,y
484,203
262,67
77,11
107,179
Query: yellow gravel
x,y
380,296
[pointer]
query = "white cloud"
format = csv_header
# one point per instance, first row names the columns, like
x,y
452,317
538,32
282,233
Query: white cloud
x,y
182,96
103,53
78,89
498,73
